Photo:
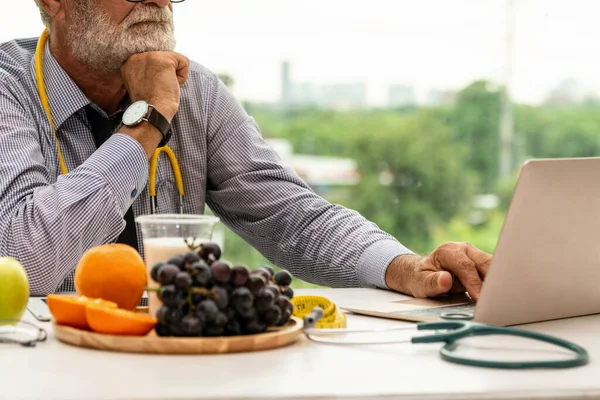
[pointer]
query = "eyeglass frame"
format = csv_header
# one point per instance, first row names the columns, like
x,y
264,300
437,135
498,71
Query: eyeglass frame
x,y
42,335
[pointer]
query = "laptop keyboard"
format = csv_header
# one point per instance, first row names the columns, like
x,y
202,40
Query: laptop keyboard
x,y
438,311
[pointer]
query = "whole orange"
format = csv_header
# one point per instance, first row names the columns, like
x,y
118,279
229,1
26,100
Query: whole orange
x,y
114,272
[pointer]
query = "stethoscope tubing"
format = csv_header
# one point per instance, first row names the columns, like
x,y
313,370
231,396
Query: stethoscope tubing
x,y
153,161
582,356
452,331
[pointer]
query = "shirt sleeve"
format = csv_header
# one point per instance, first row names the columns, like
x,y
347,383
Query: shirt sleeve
x,y
269,206
48,224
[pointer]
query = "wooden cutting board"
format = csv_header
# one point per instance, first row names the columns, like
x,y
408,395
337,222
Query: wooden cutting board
x,y
152,343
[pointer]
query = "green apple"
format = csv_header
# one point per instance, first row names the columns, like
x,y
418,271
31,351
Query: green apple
x,y
14,289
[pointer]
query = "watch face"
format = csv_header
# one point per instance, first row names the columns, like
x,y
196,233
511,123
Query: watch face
x,y
135,112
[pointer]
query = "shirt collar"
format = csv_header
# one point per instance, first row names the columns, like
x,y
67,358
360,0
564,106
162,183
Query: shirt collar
x,y
64,96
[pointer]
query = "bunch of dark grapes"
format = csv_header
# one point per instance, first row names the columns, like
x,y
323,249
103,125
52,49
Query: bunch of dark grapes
x,y
202,295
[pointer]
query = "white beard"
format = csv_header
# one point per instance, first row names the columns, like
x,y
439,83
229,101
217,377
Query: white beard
x,y
103,46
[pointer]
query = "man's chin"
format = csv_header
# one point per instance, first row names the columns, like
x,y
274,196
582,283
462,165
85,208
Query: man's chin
x,y
156,45
147,50
113,59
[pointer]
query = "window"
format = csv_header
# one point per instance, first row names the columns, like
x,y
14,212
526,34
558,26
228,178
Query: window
x,y
417,114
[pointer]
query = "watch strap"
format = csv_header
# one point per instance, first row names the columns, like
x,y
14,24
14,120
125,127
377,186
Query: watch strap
x,y
161,123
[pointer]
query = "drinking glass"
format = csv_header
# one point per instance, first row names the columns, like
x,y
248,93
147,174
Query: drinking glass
x,y
166,235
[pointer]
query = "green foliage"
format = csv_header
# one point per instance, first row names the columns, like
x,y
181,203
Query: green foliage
x,y
475,120
420,168
483,236
505,190
565,132
428,183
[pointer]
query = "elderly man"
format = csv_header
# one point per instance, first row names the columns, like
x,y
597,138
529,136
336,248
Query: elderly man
x,y
105,65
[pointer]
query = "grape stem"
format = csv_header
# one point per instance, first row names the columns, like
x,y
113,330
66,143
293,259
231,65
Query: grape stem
x,y
192,246
202,291
196,290
154,289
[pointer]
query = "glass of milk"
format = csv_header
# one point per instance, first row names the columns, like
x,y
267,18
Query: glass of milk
x,y
166,235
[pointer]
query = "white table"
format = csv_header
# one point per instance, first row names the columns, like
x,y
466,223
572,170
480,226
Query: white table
x,y
54,370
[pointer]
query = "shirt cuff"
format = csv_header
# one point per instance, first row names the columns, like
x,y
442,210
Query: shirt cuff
x,y
122,162
374,262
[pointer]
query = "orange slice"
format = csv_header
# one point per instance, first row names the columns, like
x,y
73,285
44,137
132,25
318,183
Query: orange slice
x,y
116,321
70,310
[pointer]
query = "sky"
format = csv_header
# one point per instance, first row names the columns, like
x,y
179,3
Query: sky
x,y
428,44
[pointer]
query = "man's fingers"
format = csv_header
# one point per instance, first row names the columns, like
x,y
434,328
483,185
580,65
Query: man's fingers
x,y
468,274
182,74
182,67
433,284
481,259
457,262
451,268
457,286
444,281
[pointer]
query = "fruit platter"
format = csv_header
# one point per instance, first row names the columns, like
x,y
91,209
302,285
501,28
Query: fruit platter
x,y
199,304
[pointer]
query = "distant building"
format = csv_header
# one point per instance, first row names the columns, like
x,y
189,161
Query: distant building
x,y
437,97
568,92
286,83
335,95
317,171
401,96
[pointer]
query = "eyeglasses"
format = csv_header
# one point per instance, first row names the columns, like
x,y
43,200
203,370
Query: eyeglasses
x,y
21,332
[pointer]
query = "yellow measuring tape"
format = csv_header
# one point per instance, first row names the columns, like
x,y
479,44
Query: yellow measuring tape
x,y
332,316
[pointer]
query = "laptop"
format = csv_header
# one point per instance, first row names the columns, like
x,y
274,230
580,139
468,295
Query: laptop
x,y
546,265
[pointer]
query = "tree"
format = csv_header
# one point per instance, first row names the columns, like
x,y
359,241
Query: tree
x,y
565,132
413,175
475,120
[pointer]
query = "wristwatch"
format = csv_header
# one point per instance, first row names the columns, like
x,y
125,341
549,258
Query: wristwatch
x,y
142,111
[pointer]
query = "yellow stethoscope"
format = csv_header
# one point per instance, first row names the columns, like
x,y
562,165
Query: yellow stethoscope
x,y
153,161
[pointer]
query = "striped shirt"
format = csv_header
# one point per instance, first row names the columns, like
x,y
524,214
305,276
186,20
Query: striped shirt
x,y
48,220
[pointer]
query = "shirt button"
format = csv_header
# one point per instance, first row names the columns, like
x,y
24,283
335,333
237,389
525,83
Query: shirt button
x,y
134,192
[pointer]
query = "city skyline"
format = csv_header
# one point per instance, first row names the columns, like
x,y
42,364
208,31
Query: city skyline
x,y
427,45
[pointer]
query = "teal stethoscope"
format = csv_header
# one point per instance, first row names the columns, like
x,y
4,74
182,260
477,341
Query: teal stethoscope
x,y
457,326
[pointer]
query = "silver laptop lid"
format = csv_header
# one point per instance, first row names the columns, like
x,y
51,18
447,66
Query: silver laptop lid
x,y
547,261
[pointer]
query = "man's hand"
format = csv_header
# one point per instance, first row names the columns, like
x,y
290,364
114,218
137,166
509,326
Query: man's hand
x,y
451,268
156,77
